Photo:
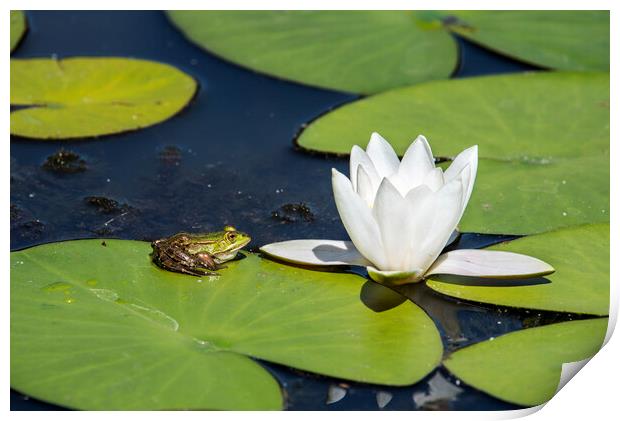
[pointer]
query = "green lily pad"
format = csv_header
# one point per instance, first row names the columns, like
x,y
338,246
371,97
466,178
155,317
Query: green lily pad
x,y
557,39
354,51
580,256
97,326
545,137
526,198
85,97
18,27
524,367
540,115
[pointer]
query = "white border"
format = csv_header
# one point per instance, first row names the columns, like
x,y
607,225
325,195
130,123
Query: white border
x,y
591,394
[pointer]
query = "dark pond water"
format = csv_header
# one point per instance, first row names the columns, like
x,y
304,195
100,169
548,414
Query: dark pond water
x,y
228,158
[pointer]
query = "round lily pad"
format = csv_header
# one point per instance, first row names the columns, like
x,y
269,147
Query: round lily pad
x,y
354,51
85,97
580,284
524,367
18,27
557,39
528,116
520,197
95,325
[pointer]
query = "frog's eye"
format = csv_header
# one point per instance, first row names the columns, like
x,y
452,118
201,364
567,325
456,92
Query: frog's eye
x,y
230,236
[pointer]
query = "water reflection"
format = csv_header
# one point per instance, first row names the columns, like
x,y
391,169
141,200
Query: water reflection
x,y
441,392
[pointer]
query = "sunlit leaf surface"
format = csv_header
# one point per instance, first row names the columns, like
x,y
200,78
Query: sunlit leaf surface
x,y
354,51
543,141
557,39
18,27
85,97
98,326
524,367
528,116
580,256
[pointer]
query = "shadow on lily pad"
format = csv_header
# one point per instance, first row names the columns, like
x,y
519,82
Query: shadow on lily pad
x,y
379,298
490,282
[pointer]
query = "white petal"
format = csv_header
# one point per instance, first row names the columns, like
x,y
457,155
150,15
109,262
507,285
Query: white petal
x,y
382,155
468,157
357,219
360,157
434,217
417,162
365,188
316,252
394,277
489,264
403,186
453,237
434,179
391,211
419,194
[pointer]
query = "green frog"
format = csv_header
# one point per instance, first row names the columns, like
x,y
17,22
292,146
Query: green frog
x,y
198,254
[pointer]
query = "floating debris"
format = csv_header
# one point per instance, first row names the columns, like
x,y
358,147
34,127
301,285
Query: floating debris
x,y
17,213
171,155
32,229
65,162
107,205
293,212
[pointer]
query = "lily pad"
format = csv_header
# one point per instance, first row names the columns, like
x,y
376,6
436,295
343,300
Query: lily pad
x,y
97,326
85,97
557,39
580,256
18,27
524,367
354,51
526,198
539,115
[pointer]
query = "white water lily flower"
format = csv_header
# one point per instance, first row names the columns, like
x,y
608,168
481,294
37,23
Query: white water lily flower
x,y
400,215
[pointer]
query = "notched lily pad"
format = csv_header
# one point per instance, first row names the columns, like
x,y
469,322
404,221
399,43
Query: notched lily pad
x,y
354,51
85,97
524,367
154,339
580,256
558,39
18,27
543,142
531,117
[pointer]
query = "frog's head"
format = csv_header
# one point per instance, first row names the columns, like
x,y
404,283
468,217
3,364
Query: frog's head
x,y
221,245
